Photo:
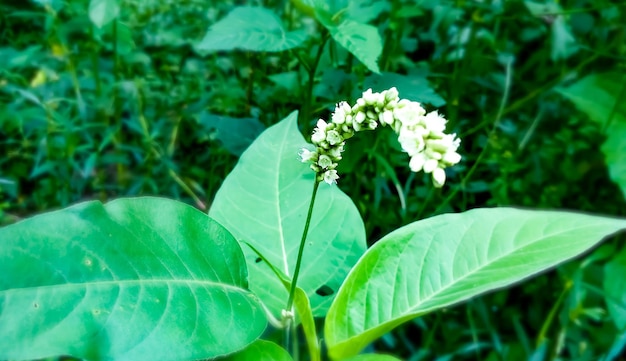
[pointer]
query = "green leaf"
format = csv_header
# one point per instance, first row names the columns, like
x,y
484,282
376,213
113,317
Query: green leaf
x,y
362,40
413,87
102,12
563,43
250,28
264,202
601,97
236,134
136,279
447,259
365,11
261,350
595,95
615,289
614,149
372,357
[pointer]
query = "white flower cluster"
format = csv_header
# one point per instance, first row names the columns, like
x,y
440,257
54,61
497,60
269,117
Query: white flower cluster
x,y
421,135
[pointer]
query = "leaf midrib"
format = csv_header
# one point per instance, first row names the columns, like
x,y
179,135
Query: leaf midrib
x,y
141,282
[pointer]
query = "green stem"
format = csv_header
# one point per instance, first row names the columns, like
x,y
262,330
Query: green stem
x,y
296,272
546,325
311,71
618,101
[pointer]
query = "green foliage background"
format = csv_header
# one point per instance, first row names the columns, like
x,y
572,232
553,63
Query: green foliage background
x,y
103,99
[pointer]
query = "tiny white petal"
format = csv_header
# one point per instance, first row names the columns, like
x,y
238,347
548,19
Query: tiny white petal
x,y
306,155
432,154
430,165
330,176
391,94
360,117
333,137
435,122
451,158
417,162
324,161
388,117
321,124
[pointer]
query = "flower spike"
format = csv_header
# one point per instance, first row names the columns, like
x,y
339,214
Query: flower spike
x,y
421,135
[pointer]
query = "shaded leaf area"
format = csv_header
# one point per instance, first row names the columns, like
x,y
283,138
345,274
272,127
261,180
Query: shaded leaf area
x,y
236,134
250,28
360,39
602,98
260,350
413,87
264,202
615,289
135,279
446,259
562,41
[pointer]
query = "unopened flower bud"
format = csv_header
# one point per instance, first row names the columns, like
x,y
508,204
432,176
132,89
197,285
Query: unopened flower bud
x,y
439,177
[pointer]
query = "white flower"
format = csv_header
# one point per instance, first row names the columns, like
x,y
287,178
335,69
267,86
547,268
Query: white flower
x,y
335,152
408,112
330,176
417,162
430,165
434,122
306,155
386,117
451,157
324,161
439,177
342,110
412,143
369,97
360,117
391,94
439,145
420,134
319,134
333,137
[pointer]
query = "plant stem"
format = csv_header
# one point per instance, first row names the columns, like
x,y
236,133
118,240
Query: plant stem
x,y
546,325
296,272
312,70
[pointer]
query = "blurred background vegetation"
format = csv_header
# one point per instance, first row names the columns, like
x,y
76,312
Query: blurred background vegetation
x,y
104,98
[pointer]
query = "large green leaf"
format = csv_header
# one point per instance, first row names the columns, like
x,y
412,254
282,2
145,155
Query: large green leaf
x,y
362,40
603,98
446,259
102,12
264,202
615,289
236,134
250,28
136,279
261,350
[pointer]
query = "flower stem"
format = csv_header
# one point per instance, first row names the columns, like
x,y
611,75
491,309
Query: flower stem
x,y
296,272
